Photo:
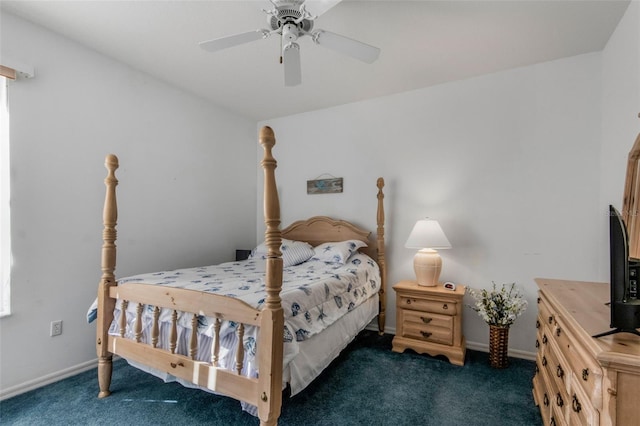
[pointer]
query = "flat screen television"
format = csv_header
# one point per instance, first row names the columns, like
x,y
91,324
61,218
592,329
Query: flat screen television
x,y
625,275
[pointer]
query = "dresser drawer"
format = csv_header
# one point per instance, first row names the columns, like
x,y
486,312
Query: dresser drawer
x,y
557,367
586,372
542,339
445,308
557,417
557,400
545,314
581,412
541,391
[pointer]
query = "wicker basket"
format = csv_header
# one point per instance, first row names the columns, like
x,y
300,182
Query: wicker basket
x,y
498,346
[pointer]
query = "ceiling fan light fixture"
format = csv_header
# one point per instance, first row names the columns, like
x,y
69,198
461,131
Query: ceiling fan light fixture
x,y
290,33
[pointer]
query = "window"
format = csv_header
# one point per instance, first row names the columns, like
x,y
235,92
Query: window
x,y
5,229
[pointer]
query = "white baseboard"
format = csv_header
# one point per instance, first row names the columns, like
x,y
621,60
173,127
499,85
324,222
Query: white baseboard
x,y
475,346
515,353
48,379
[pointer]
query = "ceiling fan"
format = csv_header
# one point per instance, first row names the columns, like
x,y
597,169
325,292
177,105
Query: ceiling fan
x,y
292,19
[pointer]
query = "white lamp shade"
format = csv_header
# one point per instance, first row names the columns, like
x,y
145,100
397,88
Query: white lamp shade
x,y
427,233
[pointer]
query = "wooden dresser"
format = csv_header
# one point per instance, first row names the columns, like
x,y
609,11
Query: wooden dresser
x,y
580,380
429,320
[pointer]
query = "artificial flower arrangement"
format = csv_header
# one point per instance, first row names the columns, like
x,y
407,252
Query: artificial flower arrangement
x,y
499,307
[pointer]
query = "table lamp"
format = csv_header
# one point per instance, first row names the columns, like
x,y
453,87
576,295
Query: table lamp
x,y
427,235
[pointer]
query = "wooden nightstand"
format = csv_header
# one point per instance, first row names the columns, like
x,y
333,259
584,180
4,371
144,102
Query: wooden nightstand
x,y
429,320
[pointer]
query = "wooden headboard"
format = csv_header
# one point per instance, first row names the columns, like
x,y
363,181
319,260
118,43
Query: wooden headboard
x,y
322,229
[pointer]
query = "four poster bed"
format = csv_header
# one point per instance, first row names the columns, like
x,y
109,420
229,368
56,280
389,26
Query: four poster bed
x,y
245,329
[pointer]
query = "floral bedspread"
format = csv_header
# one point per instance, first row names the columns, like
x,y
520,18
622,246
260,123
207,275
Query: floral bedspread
x,y
314,295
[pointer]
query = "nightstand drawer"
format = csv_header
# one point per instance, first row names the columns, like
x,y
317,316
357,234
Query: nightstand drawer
x,y
445,308
426,319
442,335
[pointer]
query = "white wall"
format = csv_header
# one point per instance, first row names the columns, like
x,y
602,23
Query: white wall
x,y
176,186
508,163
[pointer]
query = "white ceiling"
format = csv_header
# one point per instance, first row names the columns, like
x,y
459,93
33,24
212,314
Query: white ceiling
x,y
423,43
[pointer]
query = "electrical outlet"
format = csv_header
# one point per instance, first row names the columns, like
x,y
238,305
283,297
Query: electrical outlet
x,y
56,328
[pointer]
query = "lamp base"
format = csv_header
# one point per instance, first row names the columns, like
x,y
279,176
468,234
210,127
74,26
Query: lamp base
x,y
427,265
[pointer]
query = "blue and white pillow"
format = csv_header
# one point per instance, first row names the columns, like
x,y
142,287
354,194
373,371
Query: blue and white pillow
x,y
337,252
293,252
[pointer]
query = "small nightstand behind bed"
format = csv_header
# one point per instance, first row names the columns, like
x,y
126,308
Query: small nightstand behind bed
x,y
429,320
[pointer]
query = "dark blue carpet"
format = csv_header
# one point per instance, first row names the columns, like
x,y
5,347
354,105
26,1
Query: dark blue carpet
x,y
367,385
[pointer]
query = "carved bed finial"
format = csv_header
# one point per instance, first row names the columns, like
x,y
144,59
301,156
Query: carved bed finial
x,y
273,236
110,218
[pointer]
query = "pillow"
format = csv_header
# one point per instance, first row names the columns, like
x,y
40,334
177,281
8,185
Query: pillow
x,y
293,252
337,252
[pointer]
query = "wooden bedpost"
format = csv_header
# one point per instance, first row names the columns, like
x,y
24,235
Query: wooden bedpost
x,y
105,303
270,349
382,315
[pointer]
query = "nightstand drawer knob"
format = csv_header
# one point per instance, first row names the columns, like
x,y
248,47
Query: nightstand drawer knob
x,y
426,320
425,334
445,306
585,374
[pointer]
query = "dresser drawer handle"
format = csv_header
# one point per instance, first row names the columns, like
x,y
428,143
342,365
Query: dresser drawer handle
x,y
408,301
545,400
575,404
553,421
559,372
539,300
585,374
558,331
559,401
550,319
537,324
537,344
426,320
425,334
445,306
544,339
544,361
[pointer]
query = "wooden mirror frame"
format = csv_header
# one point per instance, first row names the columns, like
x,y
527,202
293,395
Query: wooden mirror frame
x,y
631,200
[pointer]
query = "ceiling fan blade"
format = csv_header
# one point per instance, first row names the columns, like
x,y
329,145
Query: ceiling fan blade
x,y
233,40
291,59
348,46
318,7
